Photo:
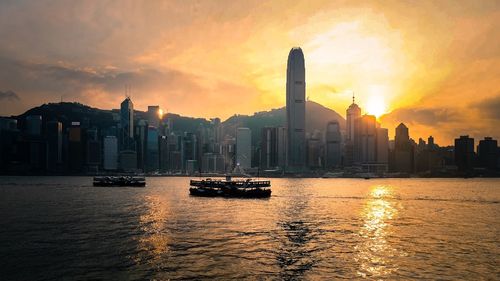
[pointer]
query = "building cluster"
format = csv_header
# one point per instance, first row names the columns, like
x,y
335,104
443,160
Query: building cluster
x,y
150,144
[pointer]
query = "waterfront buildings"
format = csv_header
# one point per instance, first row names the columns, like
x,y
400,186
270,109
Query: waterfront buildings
x,y
403,154
464,153
110,162
487,152
333,152
244,148
154,116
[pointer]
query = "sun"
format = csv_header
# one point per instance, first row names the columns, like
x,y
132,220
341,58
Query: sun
x,y
376,105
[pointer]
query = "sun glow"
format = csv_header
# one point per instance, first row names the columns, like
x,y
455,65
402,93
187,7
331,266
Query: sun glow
x,y
160,113
376,106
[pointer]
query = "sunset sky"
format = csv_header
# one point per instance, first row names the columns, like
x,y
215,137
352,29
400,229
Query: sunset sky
x,y
434,65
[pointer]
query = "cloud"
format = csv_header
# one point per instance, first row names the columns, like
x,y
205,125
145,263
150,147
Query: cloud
x,y
98,86
9,95
489,107
423,116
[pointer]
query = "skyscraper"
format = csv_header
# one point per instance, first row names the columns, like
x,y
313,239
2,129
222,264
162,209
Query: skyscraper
x,y
487,152
365,148
34,125
154,116
403,150
127,124
244,147
353,113
110,153
332,145
383,146
269,147
464,153
54,145
295,108
152,151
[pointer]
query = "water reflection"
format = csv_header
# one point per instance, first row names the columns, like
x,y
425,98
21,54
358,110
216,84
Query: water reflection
x,y
154,241
374,253
297,240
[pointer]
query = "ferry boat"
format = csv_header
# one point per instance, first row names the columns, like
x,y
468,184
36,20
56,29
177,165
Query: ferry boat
x,y
120,181
230,188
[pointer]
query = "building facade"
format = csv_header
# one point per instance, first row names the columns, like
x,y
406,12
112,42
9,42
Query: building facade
x,y
296,109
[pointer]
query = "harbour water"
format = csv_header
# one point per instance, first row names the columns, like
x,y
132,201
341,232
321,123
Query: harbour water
x,y
64,228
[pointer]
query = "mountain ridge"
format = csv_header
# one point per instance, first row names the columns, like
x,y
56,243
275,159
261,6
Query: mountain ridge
x,y
317,117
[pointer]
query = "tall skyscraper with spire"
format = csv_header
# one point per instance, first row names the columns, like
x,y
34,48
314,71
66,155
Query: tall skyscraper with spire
x,y
296,108
127,123
352,114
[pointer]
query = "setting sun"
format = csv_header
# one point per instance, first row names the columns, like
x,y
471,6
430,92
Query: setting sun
x,y
376,106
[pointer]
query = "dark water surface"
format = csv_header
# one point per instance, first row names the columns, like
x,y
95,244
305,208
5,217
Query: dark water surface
x,y
63,228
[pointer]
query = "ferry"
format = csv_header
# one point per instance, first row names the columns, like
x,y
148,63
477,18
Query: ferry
x,y
228,187
120,181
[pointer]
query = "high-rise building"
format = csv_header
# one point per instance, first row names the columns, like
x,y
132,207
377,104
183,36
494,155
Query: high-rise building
x,y
383,146
8,124
93,150
244,147
269,148
313,151
487,152
281,132
333,154
296,108
152,154
464,153
127,124
163,153
229,152
141,137
154,116
365,148
34,125
189,149
110,153
54,146
75,147
352,113
128,160
403,151
430,142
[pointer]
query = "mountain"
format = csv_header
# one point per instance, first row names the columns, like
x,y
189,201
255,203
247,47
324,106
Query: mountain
x,y
317,117
67,112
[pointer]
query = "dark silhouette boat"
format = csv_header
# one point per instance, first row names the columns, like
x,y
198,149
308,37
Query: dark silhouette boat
x,y
120,181
230,188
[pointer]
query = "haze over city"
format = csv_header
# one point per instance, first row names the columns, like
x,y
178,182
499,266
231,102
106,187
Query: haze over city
x,y
432,65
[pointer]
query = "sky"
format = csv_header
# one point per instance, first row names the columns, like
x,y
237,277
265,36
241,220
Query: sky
x,y
434,65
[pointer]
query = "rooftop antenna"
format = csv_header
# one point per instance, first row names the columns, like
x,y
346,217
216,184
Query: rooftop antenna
x,y
353,97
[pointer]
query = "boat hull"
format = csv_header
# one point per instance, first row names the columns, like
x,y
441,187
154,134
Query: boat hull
x,y
230,192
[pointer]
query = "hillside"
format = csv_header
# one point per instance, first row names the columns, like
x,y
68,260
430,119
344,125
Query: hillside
x,y
317,116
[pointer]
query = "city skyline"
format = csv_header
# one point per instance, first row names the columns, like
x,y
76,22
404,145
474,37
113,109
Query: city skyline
x,y
413,66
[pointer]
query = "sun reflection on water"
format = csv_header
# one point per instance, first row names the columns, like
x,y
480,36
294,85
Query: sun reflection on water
x,y
154,241
374,252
